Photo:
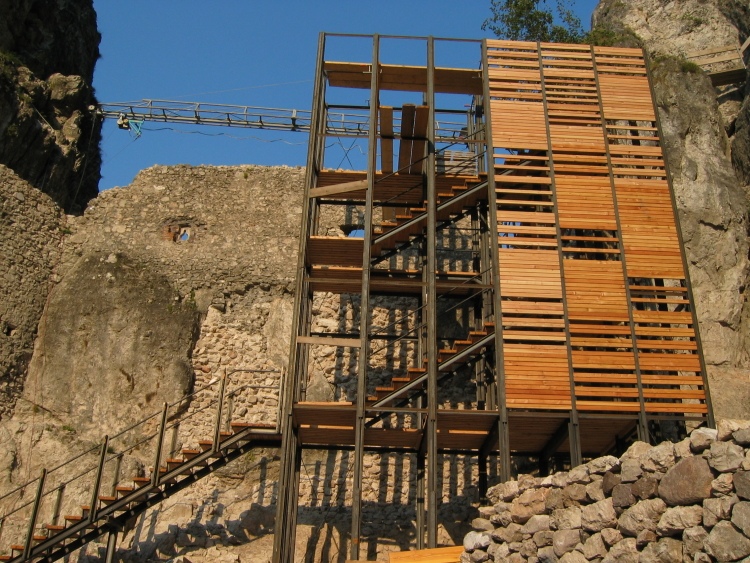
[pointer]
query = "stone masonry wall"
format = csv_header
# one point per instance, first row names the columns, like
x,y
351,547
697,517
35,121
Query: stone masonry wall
x,y
670,503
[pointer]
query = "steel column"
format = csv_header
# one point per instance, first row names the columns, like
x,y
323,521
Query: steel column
x,y
111,546
286,501
431,309
503,434
364,307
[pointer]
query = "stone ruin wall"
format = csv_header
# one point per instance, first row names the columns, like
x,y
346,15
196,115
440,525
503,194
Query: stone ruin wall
x,y
230,285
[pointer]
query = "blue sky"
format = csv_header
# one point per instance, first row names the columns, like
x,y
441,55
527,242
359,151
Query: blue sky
x,y
251,52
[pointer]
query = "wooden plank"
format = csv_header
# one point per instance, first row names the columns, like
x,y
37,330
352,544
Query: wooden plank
x,y
343,188
420,135
408,114
328,341
386,139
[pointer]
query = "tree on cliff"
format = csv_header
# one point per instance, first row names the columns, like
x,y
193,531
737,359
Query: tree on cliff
x,y
534,20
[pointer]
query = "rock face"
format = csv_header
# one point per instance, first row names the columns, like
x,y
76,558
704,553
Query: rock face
x,y
48,136
686,522
31,232
116,345
710,191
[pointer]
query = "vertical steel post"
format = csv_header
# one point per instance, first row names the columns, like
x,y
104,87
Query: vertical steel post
x,y
573,437
219,413
116,475
433,495
503,436
111,546
364,307
159,445
286,501
58,505
34,514
94,506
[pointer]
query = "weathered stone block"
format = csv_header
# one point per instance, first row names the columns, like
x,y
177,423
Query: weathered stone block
x,y
741,517
717,509
702,438
565,540
693,540
645,487
666,550
678,518
643,516
622,496
726,543
742,484
688,482
598,516
725,456
566,518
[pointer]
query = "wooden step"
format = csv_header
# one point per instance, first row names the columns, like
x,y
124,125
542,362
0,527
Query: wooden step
x,y
6,557
141,481
401,379
39,538
124,490
73,519
17,547
174,463
54,528
107,500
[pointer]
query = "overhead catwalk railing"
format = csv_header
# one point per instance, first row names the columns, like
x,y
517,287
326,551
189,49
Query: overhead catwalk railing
x,y
342,121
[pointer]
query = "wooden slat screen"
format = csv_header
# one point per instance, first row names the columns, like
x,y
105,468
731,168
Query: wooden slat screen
x,y
595,310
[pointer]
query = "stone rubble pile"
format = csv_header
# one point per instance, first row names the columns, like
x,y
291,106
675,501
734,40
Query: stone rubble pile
x,y
682,502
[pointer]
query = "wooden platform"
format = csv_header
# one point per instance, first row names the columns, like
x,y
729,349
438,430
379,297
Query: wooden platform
x,y
332,425
436,555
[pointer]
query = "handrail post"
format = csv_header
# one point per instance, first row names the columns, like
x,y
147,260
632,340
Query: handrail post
x,y
34,514
58,505
93,506
159,445
219,413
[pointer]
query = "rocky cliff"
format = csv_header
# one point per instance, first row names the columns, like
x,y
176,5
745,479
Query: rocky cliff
x,y
48,136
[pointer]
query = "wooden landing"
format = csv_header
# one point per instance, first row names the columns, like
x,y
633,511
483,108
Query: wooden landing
x,y
332,425
403,77
389,282
406,189
437,555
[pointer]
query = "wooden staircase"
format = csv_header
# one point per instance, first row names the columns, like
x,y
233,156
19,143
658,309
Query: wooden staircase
x,y
449,359
412,224
110,512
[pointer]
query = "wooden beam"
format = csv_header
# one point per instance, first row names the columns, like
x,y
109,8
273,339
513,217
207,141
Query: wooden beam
x,y
420,140
386,139
408,114
339,188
